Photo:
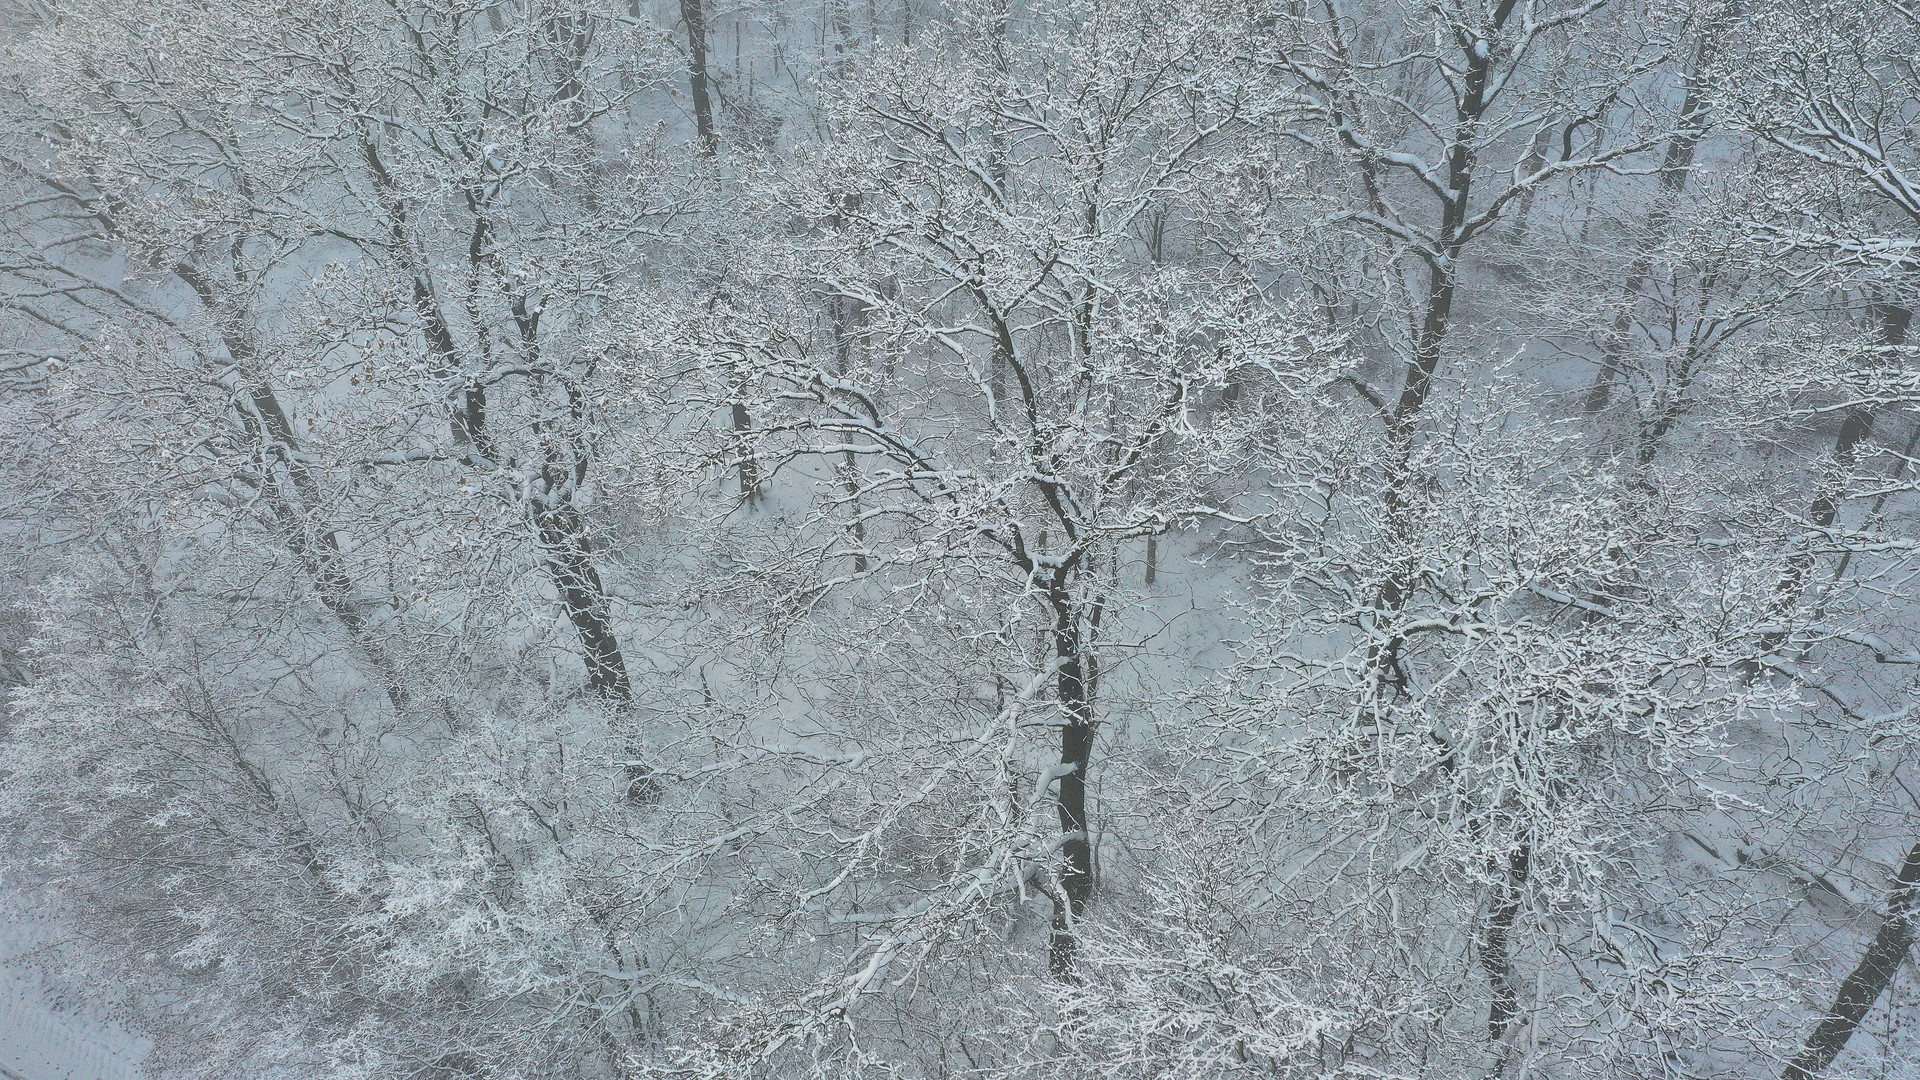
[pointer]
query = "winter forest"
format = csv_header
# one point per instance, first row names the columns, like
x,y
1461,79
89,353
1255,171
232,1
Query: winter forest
x,y
991,539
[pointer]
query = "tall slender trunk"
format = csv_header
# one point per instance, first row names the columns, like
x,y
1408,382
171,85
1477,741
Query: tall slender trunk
x,y
559,525
1676,168
1855,427
1402,420
748,465
292,493
584,597
1496,941
840,14
1443,265
468,421
563,533
1073,684
695,17
311,541
1535,160
849,315
1868,980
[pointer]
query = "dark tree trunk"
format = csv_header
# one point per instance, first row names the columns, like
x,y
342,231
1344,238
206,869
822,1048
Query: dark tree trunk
x,y
563,533
1076,750
1855,427
1443,274
749,467
469,427
311,541
293,495
1889,947
1496,945
695,16
469,415
849,316
1676,167
1868,980
570,565
840,14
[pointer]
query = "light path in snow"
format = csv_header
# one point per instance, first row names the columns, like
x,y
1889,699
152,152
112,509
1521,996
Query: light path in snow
x,y
40,1039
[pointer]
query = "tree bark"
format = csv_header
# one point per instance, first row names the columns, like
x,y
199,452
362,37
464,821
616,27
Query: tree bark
x,y
848,315
1676,168
695,16
1442,272
1868,980
1076,749
292,494
311,542
1855,427
840,14
563,533
570,565
468,420
748,466
1496,944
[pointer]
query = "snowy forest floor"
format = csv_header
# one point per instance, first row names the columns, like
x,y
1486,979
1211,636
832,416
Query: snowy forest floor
x,y
43,1034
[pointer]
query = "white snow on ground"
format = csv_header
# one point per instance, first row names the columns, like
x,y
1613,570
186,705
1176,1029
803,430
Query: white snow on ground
x,y
43,1038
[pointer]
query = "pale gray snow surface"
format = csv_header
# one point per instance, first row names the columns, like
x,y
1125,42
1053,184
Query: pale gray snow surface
x,y
45,1038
